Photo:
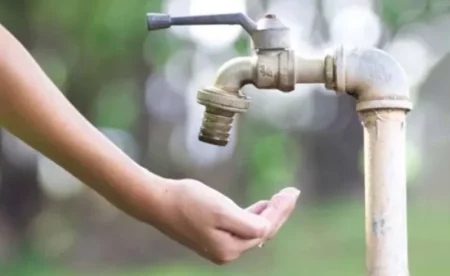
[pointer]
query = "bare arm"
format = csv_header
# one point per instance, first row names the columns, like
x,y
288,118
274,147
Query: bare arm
x,y
32,108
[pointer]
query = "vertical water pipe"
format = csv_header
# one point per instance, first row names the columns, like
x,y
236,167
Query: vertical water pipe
x,y
380,86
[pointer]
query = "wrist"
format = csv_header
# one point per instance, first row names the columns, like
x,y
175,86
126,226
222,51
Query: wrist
x,y
148,197
138,192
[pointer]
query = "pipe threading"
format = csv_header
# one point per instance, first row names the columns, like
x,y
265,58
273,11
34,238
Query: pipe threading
x,y
221,105
216,126
330,73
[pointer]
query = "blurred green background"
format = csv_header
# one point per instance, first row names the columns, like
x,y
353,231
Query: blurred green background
x,y
139,89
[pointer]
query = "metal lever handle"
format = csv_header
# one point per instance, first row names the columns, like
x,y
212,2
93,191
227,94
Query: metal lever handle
x,y
157,21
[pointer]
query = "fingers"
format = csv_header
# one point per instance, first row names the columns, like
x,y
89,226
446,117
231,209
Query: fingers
x,y
225,248
258,207
262,219
279,209
240,230
229,247
245,245
243,223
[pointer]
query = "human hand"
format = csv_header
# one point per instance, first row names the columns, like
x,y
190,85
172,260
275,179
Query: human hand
x,y
212,225
33,109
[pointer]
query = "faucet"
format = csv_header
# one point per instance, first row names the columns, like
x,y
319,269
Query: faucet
x,y
371,76
273,66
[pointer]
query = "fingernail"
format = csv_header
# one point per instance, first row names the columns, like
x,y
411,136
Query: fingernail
x,y
291,191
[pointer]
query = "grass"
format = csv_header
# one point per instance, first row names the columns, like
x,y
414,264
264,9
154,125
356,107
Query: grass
x,y
325,240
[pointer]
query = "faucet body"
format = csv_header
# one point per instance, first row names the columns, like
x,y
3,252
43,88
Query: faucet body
x,y
380,87
273,66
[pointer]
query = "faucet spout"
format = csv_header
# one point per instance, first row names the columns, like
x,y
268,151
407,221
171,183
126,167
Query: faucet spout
x,y
224,99
236,73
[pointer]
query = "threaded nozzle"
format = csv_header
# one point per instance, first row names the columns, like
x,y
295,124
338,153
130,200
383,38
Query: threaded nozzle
x,y
216,126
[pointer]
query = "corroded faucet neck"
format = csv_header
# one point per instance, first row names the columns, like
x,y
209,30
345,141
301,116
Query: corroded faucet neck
x,y
236,73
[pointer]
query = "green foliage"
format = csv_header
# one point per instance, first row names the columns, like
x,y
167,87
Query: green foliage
x,y
117,106
391,11
7,17
242,45
159,46
274,163
400,13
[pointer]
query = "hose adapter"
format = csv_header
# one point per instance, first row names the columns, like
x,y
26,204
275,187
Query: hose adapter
x,y
220,108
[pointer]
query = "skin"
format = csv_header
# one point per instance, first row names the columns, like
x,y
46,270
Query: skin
x,y
190,212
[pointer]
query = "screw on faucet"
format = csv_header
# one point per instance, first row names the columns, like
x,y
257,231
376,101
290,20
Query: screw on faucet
x,y
220,108
216,126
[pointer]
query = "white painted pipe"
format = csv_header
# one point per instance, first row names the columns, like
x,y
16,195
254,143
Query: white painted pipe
x,y
385,194
380,86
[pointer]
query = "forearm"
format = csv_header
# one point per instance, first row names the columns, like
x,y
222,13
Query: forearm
x,y
32,108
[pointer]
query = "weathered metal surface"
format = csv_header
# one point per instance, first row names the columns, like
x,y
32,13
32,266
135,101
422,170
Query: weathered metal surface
x,y
235,73
271,34
220,108
371,75
309,70
385,194
267,70
220,99
381,88
216,126
275,70
330,73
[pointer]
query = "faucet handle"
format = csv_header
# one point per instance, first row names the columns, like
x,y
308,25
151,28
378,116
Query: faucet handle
x,y
157,21
269,33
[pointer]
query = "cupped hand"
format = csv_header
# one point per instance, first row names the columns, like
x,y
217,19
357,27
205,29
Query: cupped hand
x,y
212,225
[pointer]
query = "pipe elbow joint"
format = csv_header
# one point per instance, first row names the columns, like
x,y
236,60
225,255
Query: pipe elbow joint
x,y
373,77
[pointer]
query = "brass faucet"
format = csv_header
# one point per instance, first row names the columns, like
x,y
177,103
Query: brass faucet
x,y
274,65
